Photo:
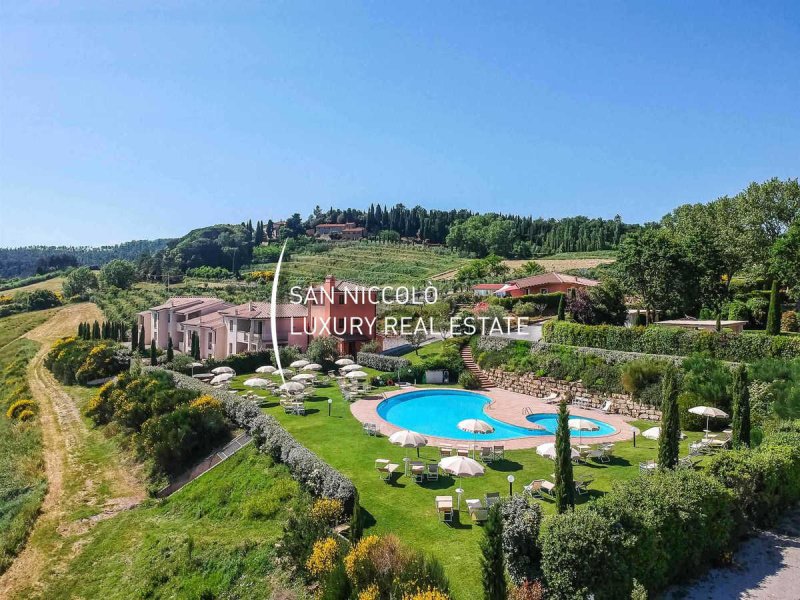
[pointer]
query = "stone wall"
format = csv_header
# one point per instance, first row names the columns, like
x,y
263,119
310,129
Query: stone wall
x,y
538,387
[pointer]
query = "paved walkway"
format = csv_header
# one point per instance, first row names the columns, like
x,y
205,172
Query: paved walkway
x,y
506,406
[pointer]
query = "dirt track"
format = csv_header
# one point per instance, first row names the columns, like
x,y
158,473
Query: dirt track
x,y
65,437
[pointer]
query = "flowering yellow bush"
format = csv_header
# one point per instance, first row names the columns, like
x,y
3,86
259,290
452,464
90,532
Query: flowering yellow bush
x,y
323,557
6,299
371,593
428,594
14,411
25,415
327,510
260,276
359,555
206,403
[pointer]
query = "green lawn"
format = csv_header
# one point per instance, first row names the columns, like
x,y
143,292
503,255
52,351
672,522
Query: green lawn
x,y
214,538
406,508
13,326
428,351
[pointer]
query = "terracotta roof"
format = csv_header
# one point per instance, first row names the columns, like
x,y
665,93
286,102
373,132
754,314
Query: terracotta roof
x,y
184,302
545,278
263,310
208,304
211,320
342,285
488,286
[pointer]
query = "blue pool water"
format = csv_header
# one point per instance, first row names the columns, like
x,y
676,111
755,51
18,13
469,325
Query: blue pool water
x,y
437,412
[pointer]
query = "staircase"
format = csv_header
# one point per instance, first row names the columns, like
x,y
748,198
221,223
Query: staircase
x,y
472,366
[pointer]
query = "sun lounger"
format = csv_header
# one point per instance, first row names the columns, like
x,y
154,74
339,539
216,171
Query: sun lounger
x,y
417,470
445,451
648,467
719,443
499,451
492,498
688,462
370,429
487,455
581,485
463,450
538,486
432,471
608,407
385,469
444,508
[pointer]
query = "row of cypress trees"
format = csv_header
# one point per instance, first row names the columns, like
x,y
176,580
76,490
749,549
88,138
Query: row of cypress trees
x,y
107,330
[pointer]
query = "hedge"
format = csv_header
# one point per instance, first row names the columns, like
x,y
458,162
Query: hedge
x,y
381,362
550,301
735,347
313,473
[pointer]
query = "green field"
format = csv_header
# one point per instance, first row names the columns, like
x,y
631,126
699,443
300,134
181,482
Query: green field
x,y
14,326
22,481
369,263
407,509
215,538
580,255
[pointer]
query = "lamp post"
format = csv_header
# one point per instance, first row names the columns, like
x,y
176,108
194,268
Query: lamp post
x,y
330,401
510,485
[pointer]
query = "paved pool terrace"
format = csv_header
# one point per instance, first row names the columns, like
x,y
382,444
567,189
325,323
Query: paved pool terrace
x,y
506,406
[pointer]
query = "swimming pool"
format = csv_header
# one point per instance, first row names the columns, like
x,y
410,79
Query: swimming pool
x,y
437,413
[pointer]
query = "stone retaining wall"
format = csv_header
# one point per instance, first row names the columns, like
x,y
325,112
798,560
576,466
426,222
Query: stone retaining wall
x,y
538,387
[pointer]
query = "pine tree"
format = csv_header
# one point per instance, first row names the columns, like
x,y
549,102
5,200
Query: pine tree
x,y
153,356
170,351
561,308
669,440
141,343
565,484
493,571
774,314
96,331
740,422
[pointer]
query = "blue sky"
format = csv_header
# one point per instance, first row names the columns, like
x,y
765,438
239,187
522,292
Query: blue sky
x,y
143,122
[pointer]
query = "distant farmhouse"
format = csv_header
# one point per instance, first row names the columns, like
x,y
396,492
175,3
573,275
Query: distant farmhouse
x,y
340,231
342,310
547,283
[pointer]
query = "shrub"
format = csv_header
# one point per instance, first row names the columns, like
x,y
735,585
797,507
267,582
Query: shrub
x,y
100,407
72,360
381,362
758,306
585,553
521,524
738,311
26,415
673,341
789,321
550,301
324,556
640,373
328,510
19,406
468,381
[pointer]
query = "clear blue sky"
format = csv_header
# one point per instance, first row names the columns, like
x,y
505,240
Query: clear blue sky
x,y
131,122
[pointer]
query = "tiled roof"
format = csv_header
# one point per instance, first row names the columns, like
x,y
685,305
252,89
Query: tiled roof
x,y
183,302
211,320
207,304
488,286
263,310
550,278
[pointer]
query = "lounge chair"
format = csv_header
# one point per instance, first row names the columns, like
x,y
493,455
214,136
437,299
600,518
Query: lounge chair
x,y
445,451
582,485
444,508
432,471
538,486
607,407
499,451
688,462
370,429
648,467
487,455
492,498
417,470
719,443
479,515
385,468
463,451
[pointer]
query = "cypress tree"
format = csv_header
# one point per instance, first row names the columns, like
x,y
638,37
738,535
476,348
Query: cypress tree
x,y
561,308
134,335
170,351
740,422
493,571
774,314
196,348
96,331
565,484
80,330
153,356
141,340
669,440
718,325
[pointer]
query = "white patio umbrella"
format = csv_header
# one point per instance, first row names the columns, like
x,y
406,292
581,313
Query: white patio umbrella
x,y
220,370
356,375
708,412
581,425
312,367
549,451
303,377
299,364
655,432
222,377
292,387
343,362
461,466
474,426
408,439
266,369
257,382
351,367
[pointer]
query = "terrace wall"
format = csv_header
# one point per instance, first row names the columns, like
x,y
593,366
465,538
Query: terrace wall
x,y
538,387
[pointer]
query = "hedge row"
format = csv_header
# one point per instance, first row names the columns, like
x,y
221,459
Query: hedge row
x,y
550,301
381,362
734,347
317,476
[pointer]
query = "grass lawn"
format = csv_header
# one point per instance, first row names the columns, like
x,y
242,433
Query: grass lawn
x,y
213,539
428,351
13,326
407,509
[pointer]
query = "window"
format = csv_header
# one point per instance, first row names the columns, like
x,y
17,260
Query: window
x,y
230,349
341,298
209,340
230,325
169,317
543,290
258,327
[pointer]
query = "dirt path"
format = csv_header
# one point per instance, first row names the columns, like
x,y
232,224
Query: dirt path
x,y
73,480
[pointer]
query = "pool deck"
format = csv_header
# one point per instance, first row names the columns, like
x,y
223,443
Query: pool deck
x,y
505,406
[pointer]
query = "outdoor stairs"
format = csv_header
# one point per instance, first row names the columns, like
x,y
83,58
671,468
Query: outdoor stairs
x,y
472,366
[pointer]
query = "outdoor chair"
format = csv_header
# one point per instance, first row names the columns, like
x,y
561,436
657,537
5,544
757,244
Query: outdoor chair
x,y
608,407
479,515
370,429
492,498
385,468
487,455
417,470
445,451
688,462
432,471
533,489
444,508
499,452
463,451
648,467
582,485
